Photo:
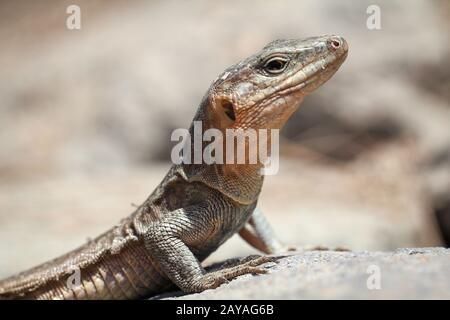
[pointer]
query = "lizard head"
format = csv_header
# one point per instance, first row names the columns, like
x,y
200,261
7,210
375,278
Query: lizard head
x,y
260,92
263,90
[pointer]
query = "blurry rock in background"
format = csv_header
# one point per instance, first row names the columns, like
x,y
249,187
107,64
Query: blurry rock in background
x,y
86,118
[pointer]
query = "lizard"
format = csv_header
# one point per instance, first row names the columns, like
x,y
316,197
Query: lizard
x,y
196,207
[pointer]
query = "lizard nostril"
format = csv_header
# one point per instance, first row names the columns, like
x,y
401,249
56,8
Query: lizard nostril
x,y
335,44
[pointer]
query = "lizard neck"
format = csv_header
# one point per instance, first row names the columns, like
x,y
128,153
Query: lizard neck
x,y
240,182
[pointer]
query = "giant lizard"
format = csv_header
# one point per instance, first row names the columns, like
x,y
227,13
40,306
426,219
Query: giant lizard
x,y
196,207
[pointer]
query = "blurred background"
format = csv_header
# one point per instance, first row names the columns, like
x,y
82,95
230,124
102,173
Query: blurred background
x,y
86,117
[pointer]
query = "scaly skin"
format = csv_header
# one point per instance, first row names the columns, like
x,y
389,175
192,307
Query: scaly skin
x,y
197,207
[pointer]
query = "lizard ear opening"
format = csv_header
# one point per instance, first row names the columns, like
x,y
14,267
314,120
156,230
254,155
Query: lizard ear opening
x,y
228,108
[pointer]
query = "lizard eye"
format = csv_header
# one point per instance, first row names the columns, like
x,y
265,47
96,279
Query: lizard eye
x,y
275,65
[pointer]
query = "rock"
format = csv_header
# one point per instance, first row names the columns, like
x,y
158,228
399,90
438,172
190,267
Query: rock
x,y
417,273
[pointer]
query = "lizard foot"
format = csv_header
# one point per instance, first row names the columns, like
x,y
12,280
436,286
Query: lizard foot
x,y
249,265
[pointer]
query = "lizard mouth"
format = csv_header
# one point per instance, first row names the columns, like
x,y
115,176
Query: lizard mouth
x,y
312,74
320,70
309,77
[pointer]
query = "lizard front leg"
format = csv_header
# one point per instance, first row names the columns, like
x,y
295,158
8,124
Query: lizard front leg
x,y
167,242
259,234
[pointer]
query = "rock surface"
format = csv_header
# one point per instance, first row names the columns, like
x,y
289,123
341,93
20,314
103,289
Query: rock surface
x,y
418,273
